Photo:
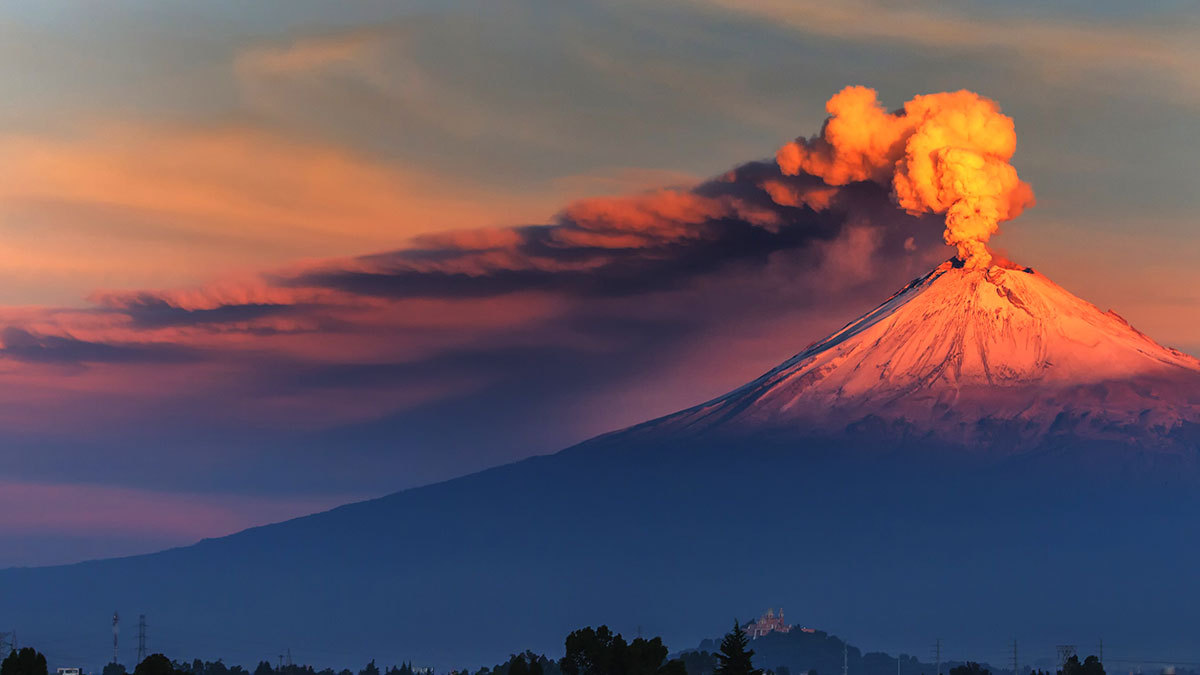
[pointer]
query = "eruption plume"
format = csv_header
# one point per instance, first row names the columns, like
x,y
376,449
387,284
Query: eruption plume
x,y
943,153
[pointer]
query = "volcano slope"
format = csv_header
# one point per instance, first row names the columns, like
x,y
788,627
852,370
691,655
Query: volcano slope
x,y
982,457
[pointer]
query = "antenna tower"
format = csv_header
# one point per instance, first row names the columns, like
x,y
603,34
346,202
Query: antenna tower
x,y
141,638
116,631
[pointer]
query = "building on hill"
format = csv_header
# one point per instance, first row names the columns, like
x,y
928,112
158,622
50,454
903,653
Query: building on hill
x,y
767,623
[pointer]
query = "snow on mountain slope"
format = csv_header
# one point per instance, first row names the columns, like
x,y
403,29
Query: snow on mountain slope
x,y
962,353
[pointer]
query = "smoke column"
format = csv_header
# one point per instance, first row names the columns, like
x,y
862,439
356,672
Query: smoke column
x,y
945,153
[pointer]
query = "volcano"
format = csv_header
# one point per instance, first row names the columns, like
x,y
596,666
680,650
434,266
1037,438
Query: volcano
x,y
983,456
991,357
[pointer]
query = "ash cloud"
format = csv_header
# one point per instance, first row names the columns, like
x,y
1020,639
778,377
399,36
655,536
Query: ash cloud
x,y
631,245
470,348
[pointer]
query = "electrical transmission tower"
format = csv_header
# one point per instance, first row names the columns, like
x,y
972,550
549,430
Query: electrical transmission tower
x,y
1065,652
8,643
141,638
845,659
1015,664
116,631
937,656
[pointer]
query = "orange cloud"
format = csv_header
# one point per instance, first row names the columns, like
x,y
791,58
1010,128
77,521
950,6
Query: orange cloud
x,y
817,198
663,215
169,206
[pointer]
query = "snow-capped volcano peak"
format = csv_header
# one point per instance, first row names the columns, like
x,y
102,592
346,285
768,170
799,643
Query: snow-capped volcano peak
x,y
974,327
965,348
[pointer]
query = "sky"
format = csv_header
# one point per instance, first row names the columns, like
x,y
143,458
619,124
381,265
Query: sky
x,y
261,259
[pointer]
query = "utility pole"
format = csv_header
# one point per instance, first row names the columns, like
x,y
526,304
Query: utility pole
x,y
937,655
141,638
116,630
1015,664
1102,651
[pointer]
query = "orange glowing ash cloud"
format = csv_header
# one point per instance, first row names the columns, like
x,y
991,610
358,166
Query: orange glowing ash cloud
x,y
945,153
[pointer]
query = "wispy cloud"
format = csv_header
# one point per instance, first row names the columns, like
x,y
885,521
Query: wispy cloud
x,y
169,205
1060,48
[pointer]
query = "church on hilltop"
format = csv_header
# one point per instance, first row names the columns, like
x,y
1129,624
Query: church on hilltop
x,y
767,623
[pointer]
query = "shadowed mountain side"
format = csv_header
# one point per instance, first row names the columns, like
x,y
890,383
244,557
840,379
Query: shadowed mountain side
x,y
883,543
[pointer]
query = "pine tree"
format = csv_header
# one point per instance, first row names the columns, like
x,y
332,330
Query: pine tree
x,y
735,657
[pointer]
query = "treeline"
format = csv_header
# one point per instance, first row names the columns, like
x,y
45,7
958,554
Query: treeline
x,y
588,651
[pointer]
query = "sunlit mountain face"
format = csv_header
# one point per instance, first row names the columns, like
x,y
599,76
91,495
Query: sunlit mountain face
x,y
995,358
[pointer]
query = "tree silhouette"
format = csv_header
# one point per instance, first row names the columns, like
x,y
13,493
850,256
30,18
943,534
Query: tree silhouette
x,y
27,661
155,664
598,651
517,665
1092,666
969,668
735,656
592,651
